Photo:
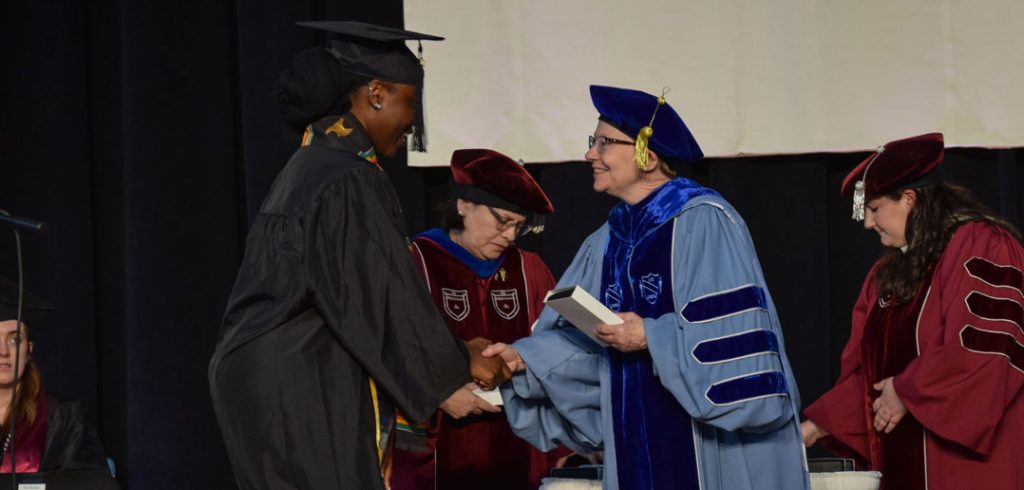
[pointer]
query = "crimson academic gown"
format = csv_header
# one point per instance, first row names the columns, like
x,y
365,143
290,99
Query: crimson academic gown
x,y
956,354
498,300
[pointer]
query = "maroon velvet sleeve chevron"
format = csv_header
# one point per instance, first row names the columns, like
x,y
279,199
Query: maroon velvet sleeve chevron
x,y
971,364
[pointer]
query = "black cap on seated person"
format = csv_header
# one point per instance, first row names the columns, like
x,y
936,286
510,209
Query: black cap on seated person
x,y
493,179
33,308
896,165
379,53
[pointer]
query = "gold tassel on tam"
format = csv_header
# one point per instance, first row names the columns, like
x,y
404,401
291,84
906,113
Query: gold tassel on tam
x,y
645,134
641,147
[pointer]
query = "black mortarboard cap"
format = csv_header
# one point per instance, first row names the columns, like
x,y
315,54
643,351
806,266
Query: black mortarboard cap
x,y
374,51
32,307
378,52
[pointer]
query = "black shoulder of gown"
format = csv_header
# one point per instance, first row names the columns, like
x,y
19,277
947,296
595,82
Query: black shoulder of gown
x,y
70,443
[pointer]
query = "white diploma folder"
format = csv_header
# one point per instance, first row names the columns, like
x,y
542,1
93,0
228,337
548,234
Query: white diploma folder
x,y
582,310
492,396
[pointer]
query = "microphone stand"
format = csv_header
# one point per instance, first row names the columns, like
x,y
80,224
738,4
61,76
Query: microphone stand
x,y
19,222
12,409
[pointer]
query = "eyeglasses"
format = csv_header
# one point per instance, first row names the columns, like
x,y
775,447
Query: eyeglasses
x,y
503,224
603,141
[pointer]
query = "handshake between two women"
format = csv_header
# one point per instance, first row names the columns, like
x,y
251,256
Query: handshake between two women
x,y
487,373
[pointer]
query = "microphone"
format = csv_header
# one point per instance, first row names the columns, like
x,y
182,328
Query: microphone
x,y
23,223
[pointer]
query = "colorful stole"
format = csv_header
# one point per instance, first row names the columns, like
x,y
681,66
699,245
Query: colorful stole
x,y
655,444
341,133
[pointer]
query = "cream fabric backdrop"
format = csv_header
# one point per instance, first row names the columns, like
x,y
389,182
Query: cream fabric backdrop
x,y
748,77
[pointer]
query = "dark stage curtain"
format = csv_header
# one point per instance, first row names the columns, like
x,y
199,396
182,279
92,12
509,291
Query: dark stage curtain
x,y
145,134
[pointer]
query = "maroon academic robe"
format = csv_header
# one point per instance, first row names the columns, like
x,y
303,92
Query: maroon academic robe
x,y
479,451
956,354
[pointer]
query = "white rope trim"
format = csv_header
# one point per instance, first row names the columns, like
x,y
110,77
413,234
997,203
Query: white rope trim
x,y
917,325
526,286
426,272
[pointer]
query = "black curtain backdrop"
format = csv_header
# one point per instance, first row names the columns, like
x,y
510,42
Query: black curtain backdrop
x,y
145,134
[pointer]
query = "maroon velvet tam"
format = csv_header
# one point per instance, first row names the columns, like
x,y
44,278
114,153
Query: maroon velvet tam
x,y
895,165
490,178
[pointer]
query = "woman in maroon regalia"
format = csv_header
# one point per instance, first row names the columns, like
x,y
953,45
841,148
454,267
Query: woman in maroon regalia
x,y
485,287
930,388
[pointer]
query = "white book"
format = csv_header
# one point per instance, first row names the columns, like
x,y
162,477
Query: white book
x,y
582,310
491,396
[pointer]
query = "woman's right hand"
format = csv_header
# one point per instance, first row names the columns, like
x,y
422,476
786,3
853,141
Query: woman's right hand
x,y
812,432
508,354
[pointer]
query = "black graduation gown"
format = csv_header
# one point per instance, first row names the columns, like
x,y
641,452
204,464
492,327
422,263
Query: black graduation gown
x,y
326,299
70,443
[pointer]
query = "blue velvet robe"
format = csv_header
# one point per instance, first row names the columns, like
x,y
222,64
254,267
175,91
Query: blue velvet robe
x,y
712,402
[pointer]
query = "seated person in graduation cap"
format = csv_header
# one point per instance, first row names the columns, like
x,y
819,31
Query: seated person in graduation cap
x,y
50,434
693,390
484,286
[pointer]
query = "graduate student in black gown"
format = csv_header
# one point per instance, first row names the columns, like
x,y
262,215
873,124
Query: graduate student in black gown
x,y
50,432
329,329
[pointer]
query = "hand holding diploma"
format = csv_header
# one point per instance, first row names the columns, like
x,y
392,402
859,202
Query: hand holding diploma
x,y
627,336
464,402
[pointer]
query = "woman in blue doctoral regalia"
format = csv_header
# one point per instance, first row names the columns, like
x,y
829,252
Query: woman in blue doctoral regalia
x,y
694,389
